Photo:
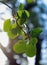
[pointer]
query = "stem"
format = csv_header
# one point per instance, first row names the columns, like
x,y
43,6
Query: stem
x,y
6,4
20,27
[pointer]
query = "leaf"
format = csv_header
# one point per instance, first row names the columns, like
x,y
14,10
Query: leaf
x,y
30,50
19,13
14,31
36,32
27,13
19,47
23,18
7,25
33,41
22,15
21,6
12,35
14,26
18,30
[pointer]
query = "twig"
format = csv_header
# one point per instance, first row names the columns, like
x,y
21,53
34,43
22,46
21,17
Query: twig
x,y
20,27
6,4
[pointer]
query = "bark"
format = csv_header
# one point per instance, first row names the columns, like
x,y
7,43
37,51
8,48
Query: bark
x,y
11,53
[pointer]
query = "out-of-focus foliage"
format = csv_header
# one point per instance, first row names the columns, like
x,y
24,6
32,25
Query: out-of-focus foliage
x,y
34,18
30,1
36,31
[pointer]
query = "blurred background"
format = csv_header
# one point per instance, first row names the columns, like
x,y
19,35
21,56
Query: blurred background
x,y
38,18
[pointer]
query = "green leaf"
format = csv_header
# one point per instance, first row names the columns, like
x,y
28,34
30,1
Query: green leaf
x,y
7,25
19,13
23,18
36,32
22,15
30,50
20,47
12,35
14,31
14,26
33,41
21,6
27,13
18,30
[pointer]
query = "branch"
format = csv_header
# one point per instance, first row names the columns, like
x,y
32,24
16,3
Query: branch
x,y
6,4
9,55
4,50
